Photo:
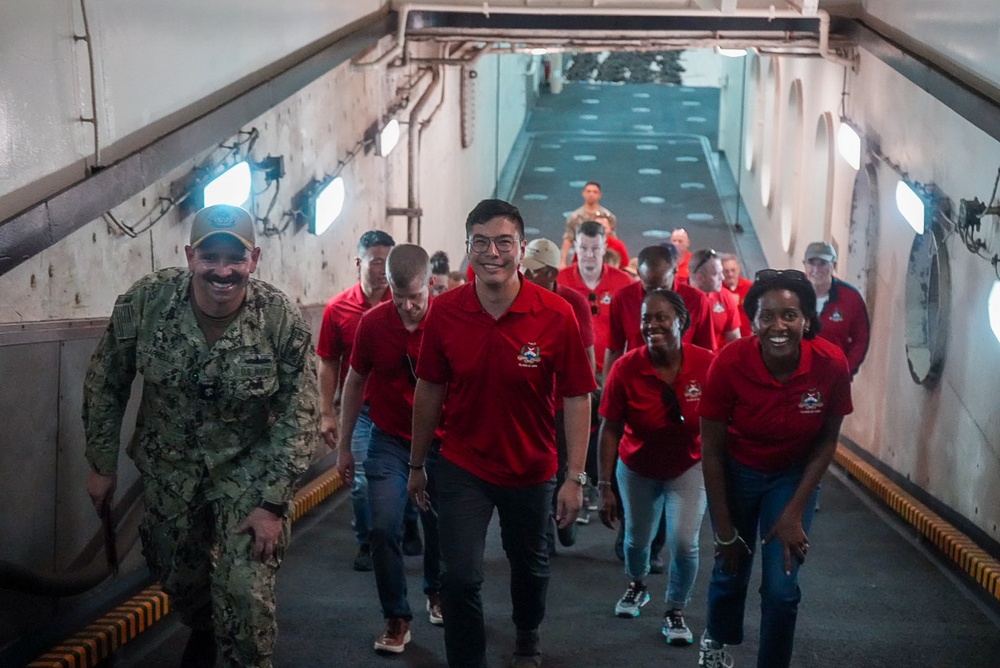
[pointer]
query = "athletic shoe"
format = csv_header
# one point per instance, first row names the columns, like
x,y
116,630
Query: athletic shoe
x,y
675,630
363,559
434,609
634,598
656,566
395,636
583,517
711,654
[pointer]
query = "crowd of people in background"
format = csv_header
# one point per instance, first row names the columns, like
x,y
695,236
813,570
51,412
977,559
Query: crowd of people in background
x,y
545,381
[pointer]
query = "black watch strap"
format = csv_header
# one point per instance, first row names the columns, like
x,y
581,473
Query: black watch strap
x,y
279,509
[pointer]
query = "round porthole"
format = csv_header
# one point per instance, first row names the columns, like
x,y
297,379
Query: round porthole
x,y
928,298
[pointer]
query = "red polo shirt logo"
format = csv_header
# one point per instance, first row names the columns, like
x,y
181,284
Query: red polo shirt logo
x,y
836,316
811,402
530,356
693,391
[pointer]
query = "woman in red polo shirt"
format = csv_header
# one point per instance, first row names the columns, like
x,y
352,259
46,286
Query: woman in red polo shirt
x,y
770,418
649,412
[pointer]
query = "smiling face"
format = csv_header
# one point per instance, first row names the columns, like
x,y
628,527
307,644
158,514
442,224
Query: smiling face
x,y
660,324
780,325
495,265
820,274
221,266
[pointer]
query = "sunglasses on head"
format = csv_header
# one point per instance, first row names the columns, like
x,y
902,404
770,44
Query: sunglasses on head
x,y
771,274
703,258
673,405
594,308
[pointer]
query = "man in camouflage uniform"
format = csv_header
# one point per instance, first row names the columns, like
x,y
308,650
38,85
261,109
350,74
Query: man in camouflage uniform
x,y
228,420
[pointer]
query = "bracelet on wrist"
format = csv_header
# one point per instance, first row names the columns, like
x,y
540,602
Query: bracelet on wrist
x,y
736,537
603,483
414,467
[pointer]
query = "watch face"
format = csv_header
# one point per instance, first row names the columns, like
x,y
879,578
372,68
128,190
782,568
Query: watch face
x,y
582,478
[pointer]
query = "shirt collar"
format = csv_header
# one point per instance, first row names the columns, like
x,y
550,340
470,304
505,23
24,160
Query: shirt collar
x,y
805,362
526,299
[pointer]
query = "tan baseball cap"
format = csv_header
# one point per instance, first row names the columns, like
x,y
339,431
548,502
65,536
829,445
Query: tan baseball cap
x,y
541,253
223,219
821,250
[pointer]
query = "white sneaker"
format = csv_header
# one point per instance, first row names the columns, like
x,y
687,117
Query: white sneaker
x,y
711,654
632,601
675,630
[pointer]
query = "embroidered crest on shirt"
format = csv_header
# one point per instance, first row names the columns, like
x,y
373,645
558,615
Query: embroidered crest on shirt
x,y
531,355
836,316
692,392
718,308
811,402
606,298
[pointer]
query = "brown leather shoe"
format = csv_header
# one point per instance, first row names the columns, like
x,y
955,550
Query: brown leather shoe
x,y
395,636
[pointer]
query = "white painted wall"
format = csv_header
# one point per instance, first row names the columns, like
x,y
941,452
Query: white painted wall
x,y
157,64
945,440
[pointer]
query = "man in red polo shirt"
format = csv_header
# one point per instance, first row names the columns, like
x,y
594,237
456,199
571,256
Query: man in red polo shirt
x,y
336,339
495,355
706,275
733,281
596,281
682,242
841,307
656,270
382,375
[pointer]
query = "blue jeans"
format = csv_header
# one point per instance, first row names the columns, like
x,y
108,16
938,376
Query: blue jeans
x,y
644,502
466,504
359,493
756,500
387,471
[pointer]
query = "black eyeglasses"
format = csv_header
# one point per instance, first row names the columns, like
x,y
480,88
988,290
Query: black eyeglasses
x,y
594,308
504,243
703,257
673,405
771,274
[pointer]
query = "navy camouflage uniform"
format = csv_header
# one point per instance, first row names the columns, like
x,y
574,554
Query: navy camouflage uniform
x,y
219,431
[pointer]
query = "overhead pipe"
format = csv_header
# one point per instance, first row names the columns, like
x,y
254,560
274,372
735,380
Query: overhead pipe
x,y
413,213
772,13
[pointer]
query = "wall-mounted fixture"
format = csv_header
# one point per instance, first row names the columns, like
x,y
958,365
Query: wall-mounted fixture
x,y
321,202
230,187
731,53
849,144
911,200
387,138
994,306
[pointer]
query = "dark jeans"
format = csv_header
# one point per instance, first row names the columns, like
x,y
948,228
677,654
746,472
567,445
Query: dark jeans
x,y
756,500
466,504
387,472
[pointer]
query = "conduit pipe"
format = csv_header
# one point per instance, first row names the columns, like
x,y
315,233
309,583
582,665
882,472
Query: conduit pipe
x,y
413,160
772,13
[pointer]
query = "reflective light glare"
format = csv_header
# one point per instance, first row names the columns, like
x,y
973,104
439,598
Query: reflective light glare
x,y
994,304
539,52
329,204
733,53
911,206
388,138
230,187
849,145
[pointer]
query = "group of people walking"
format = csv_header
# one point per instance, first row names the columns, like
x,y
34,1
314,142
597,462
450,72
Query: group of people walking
x,y
474,400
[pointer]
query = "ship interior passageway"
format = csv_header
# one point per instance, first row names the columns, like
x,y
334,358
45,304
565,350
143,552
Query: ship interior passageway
x,y
873,593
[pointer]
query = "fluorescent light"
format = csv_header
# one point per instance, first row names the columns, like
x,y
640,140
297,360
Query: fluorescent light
x,y
849,145
994,304
539,52
230,187
388,138
328,205
732,53
911,205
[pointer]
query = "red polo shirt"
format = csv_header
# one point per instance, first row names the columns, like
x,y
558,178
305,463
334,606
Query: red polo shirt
x,y
340,323
581,309
626,311
742,288
612,280
684,266
502,377
387,353
725,307
845,322
655,445
773,425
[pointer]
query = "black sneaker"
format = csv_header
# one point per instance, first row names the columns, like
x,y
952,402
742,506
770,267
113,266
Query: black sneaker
x,y
526,652
412,545
363,559
632,600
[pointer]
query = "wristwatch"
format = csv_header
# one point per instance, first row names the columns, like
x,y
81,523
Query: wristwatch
x,y
279,509
580,478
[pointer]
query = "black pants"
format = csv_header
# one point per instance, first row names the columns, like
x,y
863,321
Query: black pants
x,y
466,504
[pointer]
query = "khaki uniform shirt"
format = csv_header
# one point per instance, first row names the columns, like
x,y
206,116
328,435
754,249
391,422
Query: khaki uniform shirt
x,y
243,412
